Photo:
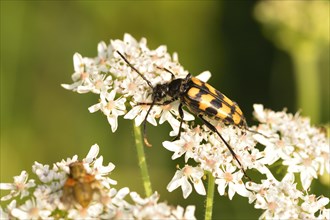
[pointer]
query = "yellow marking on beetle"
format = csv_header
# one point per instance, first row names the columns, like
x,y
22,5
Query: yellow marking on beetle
x,y
238,110
237,118
192,92
227,100
223,112
205,101
211,88
197,81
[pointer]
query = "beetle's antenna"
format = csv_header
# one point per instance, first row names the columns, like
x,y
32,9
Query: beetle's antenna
x,y
145,79
167,70
256,132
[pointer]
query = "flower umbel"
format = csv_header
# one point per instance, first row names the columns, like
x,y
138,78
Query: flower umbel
x,y
83,190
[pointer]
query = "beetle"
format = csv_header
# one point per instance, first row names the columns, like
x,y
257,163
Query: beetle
x,y
200,98
79,186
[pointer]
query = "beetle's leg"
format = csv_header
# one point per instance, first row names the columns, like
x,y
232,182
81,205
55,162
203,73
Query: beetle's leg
x,y
144,125
181,122
212,128
156,103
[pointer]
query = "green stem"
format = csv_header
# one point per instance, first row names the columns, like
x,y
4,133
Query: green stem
x,y
308,82
142,161
210,196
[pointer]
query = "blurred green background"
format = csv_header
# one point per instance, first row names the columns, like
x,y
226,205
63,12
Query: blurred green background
x,y
41,121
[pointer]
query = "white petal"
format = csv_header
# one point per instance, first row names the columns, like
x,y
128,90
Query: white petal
x,y
22,177
112,119
186,187
204,76
19,214
92,154
138,120
170,146
190,212
199,187
221,186
306,179
161,50
175,182
94,108
152,120
78,63
259,112
131,114
323,201
231,190
122,192
110,167
70,86
7,186
101,48
137,198
241,190
44,214
7,197
111,95
187,116
85,89
130,39
98,163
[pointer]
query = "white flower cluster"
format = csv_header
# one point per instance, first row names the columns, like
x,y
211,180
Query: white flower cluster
x,y
301,147
44,198
282,200
291,139
110,77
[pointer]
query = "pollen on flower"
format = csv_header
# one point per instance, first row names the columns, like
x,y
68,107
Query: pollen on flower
x,y
325,156
307,162
197,129
272,206
132,86
98,84
20,186
187,170
84,75
34,212
188,146
111,105
102,61
228,176
211,163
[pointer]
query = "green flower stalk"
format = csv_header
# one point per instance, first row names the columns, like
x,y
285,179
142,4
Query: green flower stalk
x,y
209,197
142,161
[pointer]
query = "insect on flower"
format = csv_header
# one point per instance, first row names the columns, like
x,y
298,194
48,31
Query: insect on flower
x,y
200,98
80,186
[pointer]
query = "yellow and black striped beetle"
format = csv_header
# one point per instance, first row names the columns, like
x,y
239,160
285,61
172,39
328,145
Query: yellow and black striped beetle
x,y
200,98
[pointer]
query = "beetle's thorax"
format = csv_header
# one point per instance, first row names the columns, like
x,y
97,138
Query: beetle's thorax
x,y
173,89
160,91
